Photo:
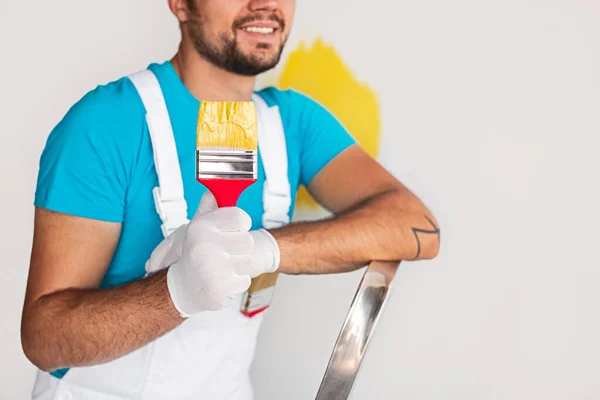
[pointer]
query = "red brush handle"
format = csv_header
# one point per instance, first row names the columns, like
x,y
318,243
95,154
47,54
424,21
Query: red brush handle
x,y
226,191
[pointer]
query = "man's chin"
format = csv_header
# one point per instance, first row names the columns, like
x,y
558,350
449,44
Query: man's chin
x,y
254,69
264,56
258,65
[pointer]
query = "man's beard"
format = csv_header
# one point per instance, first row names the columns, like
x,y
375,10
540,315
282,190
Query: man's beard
x,y
229,56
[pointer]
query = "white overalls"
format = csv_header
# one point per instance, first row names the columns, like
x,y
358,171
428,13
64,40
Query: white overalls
x,y
209,355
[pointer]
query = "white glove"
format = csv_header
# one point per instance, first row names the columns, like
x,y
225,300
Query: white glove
x,y
218,258
266,252
167,252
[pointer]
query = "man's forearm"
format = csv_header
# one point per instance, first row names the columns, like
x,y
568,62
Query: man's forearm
x,y
85,327
391,226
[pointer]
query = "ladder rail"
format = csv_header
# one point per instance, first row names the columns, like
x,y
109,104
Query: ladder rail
x,y
357,331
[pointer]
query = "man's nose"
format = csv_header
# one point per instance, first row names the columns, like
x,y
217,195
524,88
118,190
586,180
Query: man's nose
x,y
264,5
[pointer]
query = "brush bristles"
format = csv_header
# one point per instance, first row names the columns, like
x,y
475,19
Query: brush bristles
x,y
227,125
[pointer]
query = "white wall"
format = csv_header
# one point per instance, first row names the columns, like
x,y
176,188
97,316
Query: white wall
x,y
490,113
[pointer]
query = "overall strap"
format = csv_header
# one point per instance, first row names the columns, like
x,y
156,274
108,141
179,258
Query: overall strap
x,y
272,147
168,195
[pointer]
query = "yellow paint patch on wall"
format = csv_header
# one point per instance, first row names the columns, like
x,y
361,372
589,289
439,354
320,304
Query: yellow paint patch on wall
x,y
320,73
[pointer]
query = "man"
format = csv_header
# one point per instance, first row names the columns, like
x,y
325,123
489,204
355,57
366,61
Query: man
x,y
115,311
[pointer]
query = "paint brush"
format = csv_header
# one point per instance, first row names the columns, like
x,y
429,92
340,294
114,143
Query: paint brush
x,y
226,148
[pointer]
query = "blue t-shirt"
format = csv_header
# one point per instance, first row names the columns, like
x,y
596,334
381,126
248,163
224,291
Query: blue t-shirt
x,y
98,161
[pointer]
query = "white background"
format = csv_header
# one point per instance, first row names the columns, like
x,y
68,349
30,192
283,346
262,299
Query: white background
x,y
491,114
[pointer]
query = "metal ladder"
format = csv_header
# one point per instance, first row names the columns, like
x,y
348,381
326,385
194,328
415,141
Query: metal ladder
x,y
357,330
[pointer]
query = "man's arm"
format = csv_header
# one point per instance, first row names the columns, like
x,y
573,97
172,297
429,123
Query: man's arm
x,y
67,321
375,218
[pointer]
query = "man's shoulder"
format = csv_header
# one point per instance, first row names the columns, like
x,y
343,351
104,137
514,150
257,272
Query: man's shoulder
x,y
116,103
108,102
105,124
298,108
111,111
285,97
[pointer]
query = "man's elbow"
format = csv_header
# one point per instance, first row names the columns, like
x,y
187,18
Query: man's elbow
x,y
422,235
32,346
431,249
429,239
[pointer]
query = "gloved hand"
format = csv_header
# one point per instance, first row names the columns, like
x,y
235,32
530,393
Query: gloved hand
x,y
167,252
219,256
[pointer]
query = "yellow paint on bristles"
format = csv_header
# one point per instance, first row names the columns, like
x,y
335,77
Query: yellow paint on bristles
x,y
227,125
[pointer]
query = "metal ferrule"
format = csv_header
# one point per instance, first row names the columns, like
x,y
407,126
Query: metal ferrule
x,y
232,164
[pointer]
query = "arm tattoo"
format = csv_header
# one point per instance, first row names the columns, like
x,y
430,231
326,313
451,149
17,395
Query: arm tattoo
x,y
435,231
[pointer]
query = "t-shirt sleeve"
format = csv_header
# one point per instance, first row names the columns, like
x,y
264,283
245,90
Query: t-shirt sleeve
x,y
81,169
323,136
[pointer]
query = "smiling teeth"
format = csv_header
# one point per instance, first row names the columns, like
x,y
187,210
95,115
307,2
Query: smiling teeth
x,y
257,29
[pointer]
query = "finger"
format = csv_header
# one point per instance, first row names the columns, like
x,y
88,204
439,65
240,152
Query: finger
x,y
230,219
226,289
176,246
207,203
242,265
161,254
239,284
237,243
